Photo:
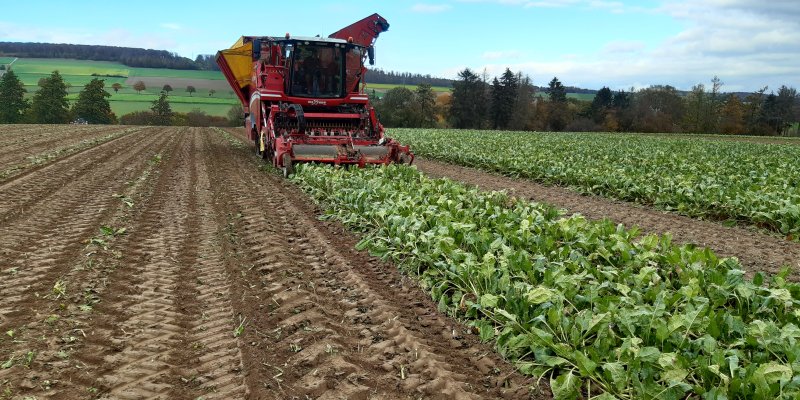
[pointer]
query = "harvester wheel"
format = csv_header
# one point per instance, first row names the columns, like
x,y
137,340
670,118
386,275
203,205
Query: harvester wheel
x,y
288,167
404,158
257,145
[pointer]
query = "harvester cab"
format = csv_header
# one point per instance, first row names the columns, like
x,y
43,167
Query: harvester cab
x,y
304,99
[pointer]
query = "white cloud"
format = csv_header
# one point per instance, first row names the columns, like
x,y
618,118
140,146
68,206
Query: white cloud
x,y
747,43
623,46
171,26
430,8
613,6
550,3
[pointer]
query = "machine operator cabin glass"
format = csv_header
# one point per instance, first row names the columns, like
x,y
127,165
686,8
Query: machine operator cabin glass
x,y
317,71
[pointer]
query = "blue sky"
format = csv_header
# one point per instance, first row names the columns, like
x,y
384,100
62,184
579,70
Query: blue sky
x,y
588,43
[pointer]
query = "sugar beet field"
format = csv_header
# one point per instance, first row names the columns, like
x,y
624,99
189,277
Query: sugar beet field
x,y
150,262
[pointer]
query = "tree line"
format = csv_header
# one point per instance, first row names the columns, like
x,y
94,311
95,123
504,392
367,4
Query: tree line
x,y
512,102
405,78
130,56
49,105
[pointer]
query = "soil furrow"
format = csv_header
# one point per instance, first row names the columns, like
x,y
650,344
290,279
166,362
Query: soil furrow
x,y
330,322
208,363
757,251
43,242
41,160
82,271
26,190
17,150
151,328
164,328
11,135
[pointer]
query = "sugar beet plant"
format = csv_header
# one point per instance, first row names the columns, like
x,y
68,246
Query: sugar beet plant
x,y
739,181
601,311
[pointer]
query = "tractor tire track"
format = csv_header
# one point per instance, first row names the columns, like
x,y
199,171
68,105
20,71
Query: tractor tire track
x,y
13,133
59,252
26,190
326,321
42,159
210,364
17,149
41,243
173,339
150,325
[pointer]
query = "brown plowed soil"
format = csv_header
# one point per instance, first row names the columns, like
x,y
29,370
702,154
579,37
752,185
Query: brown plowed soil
x,y
166,264
36,145
757,251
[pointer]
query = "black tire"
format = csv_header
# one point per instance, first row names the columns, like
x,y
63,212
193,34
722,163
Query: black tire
x,y
404,158
256,144
288,167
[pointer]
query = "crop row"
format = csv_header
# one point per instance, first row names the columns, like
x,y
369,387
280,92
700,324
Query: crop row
x,y
739,181
599,309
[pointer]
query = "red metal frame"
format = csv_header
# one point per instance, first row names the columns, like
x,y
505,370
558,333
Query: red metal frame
x,y
341,130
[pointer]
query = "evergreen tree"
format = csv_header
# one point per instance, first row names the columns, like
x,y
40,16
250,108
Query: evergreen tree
x,y
602,101
162,112
50,104
504,95
497,100
696,109
771,114
524,104
12,100
468,103
755,120
92,104
557,91
622,100
557,108
715,104
426,106
785,108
